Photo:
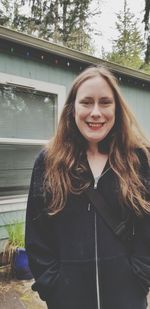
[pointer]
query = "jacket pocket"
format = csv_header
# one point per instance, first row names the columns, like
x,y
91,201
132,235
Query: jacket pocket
x,y
120,283
46,283
141,270
74,289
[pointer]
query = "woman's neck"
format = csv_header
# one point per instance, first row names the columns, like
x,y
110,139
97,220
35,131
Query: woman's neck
x,y
93,149
97,161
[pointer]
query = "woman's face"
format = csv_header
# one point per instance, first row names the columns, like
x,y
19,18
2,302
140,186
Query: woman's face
x,y
94,110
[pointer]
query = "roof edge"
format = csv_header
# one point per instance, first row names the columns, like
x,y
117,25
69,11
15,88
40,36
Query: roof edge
x,y
44,45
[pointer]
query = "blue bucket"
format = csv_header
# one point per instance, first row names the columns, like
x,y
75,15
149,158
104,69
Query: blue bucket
x,y
21,265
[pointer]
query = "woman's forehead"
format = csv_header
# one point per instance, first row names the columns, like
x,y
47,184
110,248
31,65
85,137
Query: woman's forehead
x,y
96,85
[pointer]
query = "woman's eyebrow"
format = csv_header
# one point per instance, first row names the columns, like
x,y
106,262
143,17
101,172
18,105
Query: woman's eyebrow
x,y
100,99
106,98
87,97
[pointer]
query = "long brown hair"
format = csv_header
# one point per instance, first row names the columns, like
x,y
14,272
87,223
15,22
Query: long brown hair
x,y
65,154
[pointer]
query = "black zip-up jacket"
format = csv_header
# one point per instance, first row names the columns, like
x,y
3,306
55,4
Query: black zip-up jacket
x,y
76,259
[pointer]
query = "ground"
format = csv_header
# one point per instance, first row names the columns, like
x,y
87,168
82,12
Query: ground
x,y
17,294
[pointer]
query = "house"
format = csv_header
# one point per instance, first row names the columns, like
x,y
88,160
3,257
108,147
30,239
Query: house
x,y
35,76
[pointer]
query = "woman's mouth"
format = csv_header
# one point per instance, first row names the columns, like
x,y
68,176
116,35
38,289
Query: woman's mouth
x,y
95,125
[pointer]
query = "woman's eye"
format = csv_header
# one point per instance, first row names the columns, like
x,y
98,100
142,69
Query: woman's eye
x,y
105,102
85,102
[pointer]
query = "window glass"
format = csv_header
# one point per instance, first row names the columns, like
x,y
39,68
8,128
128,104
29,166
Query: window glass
x,y
27,113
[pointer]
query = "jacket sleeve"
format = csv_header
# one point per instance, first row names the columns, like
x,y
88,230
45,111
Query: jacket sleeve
x,y
140,259
41,255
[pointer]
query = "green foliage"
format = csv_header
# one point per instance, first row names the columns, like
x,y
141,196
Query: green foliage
x,y
16,234
128,47
5,13
15,240
145,68
63,21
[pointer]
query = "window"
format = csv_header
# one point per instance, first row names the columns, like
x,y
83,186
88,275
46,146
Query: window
x,y
26,113
28,118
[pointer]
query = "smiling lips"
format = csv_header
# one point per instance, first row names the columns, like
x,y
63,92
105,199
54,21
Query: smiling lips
x,y
95,125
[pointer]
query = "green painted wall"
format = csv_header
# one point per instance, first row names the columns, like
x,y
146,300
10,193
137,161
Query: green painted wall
x,y
139,101
27,68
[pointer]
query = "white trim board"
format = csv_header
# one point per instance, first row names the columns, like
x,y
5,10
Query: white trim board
x,y
22,141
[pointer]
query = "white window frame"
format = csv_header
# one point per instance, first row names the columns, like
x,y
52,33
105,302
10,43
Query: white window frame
x,y
47,87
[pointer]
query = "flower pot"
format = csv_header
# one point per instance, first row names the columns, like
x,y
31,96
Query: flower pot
x,y
21,265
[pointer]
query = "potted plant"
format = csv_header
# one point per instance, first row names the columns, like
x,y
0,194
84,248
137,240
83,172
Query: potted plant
x,y
15,253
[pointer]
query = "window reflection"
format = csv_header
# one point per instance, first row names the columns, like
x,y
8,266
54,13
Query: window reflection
x,y
27,113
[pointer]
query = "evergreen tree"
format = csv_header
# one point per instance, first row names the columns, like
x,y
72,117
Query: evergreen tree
x,y
75,31
127,49
62,21
10,16
146,21
5,13
66,21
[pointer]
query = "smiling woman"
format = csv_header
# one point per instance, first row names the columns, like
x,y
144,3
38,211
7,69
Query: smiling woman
x,y
94,110
77,259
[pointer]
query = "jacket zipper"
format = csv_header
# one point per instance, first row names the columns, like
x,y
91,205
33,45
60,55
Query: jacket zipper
x,y
96,265
89,206
96,251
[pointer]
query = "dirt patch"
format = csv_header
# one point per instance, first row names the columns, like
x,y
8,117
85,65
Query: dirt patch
x,y
18,294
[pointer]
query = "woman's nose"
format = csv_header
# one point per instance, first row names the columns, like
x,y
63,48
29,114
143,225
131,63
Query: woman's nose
x,y
96,110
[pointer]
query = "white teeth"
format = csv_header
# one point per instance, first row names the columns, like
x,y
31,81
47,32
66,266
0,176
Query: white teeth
x,y
95,124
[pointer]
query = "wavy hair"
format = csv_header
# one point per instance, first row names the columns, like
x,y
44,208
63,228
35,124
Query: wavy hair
x,y
66,168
